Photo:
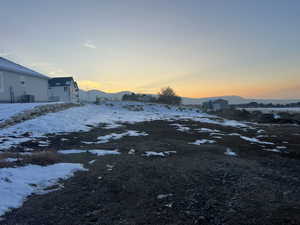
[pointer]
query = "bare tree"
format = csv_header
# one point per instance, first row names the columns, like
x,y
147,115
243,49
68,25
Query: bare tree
x,y
168,96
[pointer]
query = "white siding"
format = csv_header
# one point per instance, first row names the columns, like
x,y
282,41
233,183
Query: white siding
x,y
64,93
59,93
13,85
1,82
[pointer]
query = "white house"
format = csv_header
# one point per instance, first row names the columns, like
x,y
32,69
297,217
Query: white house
x,y
63,89
215,105
20,84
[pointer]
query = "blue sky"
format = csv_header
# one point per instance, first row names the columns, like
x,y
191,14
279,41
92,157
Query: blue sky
x,y
200,48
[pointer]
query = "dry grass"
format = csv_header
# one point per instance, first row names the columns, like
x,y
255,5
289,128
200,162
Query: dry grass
x,y
41,158
37,158
6,155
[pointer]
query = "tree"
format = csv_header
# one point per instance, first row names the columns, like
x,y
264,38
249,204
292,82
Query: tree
x,y
168,96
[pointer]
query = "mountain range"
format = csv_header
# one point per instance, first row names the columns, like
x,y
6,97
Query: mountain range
x,y
90,96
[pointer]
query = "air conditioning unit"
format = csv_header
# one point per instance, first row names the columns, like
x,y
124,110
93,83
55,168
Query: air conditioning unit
x,y
27,98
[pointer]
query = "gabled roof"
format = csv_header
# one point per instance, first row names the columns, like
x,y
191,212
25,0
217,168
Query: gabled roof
x,y
10,66
60,81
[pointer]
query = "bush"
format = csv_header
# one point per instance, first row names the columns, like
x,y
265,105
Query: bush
x,y
168,96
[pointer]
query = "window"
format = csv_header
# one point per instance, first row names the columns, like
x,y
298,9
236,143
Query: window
x,y
65,89
22,80
1,81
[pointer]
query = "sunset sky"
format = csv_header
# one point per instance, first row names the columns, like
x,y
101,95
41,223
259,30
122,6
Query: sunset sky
x,y
200,48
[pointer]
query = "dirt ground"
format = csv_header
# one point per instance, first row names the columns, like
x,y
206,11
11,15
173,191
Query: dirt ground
x,y
198,184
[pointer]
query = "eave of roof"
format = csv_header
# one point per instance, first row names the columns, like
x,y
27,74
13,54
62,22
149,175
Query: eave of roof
x,y
60,81
16,68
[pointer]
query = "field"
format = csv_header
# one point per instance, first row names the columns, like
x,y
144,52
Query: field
x,y
132,163
274,110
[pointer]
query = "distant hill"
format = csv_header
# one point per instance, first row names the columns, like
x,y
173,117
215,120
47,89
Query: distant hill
x,y
238,100
90,96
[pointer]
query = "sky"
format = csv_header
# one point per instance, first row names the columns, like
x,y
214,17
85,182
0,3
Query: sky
x,y
201,48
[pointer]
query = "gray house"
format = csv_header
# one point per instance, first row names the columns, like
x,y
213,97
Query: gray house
x,y
63,89
20,84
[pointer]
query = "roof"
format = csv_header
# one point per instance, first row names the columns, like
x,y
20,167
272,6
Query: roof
x,y
10,66
220,101
60,81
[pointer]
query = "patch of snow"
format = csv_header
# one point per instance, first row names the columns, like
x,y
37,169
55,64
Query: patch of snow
x,y
207,130
169,205
9,160
8,142
262,136
162,196
202,141
88,142
109,167
9,110
271,150
98,152
28,149
115,136
234,134
170,152
180,127
131,152
72,151
213,133
18,183
281,147
255,140
276,116
92,161
25,153
43,143
218,137
112,126
230,152
149,153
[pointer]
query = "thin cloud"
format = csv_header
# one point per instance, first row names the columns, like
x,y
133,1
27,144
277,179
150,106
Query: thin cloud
x,y
89,85
51,69
89,44
58,72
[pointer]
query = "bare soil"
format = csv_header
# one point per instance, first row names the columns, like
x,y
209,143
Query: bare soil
x,y
197,185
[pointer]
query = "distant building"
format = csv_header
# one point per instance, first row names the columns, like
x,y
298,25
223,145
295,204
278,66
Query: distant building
x,y
63,89
215,105
20,84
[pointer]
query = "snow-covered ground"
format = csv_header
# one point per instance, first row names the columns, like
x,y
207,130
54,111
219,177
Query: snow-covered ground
x,y
274,110
18,183
9,110
111,113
